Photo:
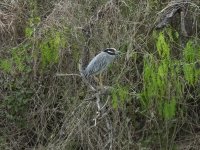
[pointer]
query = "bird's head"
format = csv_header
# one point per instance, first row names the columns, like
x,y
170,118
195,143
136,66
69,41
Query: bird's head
x,y
111,51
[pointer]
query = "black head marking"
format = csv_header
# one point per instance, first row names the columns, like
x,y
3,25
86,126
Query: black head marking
x,y
110,51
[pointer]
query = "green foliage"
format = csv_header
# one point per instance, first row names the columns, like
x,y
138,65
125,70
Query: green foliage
x,y
50,47
189,73
35,105
172,34
119,96
162,86
20,57
17,102
162,46
189,52
191,56
149,76
6,65
18,60
51,43
29,31
162,83
31,25
33,20
169,110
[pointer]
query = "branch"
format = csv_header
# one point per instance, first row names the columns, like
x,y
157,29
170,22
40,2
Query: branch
x,y
167,17
61,74
170,11
183,30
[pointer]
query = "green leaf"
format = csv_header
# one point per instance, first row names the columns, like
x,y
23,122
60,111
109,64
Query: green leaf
x,y
189,73
28,31
169,109
6,65
114,100
162,46
119,96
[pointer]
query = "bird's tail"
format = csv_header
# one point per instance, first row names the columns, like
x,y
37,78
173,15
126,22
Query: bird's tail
x,y
84,74
86,79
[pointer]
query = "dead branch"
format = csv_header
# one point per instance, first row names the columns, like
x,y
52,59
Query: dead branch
x,y
174,7
62,74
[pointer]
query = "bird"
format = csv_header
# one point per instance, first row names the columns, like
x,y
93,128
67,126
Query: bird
x,y
100,63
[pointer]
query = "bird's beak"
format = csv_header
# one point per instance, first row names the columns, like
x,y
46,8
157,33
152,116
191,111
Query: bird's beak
x,y
119,53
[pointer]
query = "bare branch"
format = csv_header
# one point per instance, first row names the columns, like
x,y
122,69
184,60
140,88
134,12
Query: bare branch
x,y
72,74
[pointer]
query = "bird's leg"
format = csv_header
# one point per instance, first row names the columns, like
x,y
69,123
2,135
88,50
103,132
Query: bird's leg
x,y
99,80
96,79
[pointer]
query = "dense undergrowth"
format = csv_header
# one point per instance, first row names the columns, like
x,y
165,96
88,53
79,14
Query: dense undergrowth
x,y
155,101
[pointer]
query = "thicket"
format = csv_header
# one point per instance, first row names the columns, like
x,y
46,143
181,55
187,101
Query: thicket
x,y
155,98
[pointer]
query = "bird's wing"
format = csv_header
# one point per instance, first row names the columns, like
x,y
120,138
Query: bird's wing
x,y
97,64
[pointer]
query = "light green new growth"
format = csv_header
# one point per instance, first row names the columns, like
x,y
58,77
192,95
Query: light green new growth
x,y
6,65
191,54
119,96
161,82
50,47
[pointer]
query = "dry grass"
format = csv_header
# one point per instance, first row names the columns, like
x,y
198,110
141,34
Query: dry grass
x,y
57,113
12,22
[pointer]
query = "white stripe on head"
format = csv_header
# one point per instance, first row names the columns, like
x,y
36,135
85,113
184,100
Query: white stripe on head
x,y
110,51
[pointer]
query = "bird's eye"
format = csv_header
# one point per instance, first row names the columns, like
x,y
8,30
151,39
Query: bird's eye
x,y
110,51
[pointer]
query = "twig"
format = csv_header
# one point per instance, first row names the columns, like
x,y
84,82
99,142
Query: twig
x,y
61,74
98,101
183,30
87,30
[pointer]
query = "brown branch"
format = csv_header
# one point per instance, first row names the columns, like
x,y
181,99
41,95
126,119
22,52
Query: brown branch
x,y
166,14
87,32
167,17
183,30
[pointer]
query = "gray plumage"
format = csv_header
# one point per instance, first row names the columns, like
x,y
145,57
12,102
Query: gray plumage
x,y
100,62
